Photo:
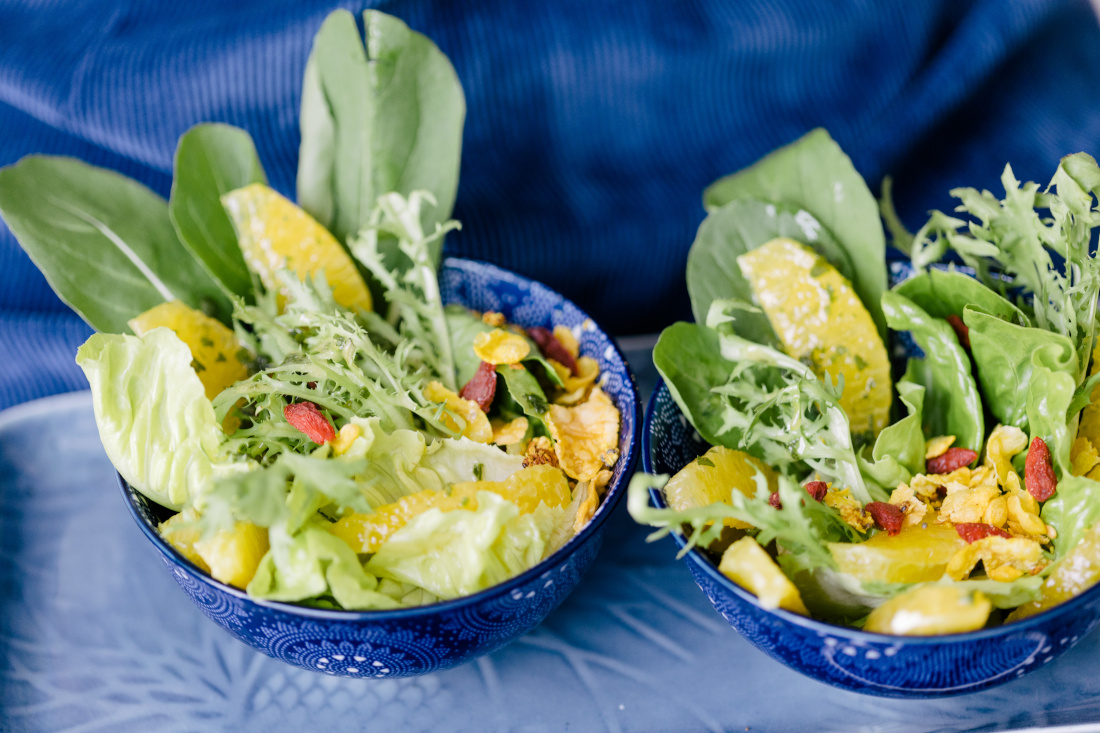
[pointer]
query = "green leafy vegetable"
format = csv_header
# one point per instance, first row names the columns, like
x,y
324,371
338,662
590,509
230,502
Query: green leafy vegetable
x,y
898,452
104,242
1074,508
814,174
525,390
941,293
688,357
951,403
464,326
211,160
154,419
377,119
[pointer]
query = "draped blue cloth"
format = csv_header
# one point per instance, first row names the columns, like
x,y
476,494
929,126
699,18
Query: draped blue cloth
x,y
592,127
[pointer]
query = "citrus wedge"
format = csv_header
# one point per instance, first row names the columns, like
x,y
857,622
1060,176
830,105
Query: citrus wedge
x,y
820,320
918,553
214,347
747,564
930,609
712,476
273,234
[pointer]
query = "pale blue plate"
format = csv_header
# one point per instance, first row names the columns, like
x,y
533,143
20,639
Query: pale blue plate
x,y
95,636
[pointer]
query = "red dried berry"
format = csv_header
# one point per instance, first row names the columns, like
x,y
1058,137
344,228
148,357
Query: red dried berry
x,y
953,459
974,531
774,501
961,330
307,418
551,348
482,386
1039,471
817,489
886,516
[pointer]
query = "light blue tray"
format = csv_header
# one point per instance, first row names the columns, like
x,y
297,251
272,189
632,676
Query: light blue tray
x,y
95,636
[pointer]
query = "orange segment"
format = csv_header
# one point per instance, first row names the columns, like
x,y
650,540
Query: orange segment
x,y
929,610
214,347
711,477
747,564
819,319
273,234
917,554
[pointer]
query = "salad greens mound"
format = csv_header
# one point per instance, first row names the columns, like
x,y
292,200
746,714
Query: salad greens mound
x,y
979,493
287,382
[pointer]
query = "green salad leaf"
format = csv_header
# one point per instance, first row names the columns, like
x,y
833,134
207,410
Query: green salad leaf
x,y
952,405
898,453
155,422
815,175
462,551
381,113
464,326
688,357
104,242
942,293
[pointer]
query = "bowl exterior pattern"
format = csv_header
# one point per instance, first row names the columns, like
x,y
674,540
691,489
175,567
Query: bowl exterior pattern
x,y
854,660
420,640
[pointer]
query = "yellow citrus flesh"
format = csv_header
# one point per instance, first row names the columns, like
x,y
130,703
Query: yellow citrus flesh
x,y
214,347
711,477
527,488
917,554
180,534
929,610
1078,571
747,564
819,319
1089,427
274,234
234,554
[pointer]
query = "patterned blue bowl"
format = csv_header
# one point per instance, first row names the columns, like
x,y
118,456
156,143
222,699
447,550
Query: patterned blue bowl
x,y
874,664
415,641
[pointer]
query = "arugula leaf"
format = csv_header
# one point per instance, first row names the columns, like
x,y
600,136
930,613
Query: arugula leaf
x,y
213,159
1005,356
814,174
104,242
951,403
736,228
377,119
942,293
525,390
464,326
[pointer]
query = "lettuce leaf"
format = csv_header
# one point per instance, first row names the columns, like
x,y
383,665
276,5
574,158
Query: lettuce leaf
x,y
315,563
462,551
155,422
898,452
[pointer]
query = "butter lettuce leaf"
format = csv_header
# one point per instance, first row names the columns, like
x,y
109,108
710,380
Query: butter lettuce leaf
x,y
455,553
155,422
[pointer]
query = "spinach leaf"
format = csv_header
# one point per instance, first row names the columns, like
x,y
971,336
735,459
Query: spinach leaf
x,y
688,359
941,293
104,242
377,119
814,174
731,231
525,390
951,402
463,326
898,452
1005,355
213,159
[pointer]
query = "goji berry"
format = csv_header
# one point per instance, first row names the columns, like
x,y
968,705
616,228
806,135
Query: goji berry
x,y
774,500
974,531
308,419
482,386
817,489
886,516
551,348
953,459
1039,471
961,330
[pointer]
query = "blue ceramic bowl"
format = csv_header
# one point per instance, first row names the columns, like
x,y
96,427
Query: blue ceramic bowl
x,y
419,640
874,664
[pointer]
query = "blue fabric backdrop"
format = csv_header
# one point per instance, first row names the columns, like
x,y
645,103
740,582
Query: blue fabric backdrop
x,y
592,127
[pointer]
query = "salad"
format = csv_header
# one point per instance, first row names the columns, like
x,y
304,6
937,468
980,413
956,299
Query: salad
x,y
948,491
287,380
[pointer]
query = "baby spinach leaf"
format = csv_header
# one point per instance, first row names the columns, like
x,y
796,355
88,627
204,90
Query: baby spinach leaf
x,y
898,452
814,174
688,359
1005,356
951,402
104,242
211,160
384,117
731,231
525,390
941,293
